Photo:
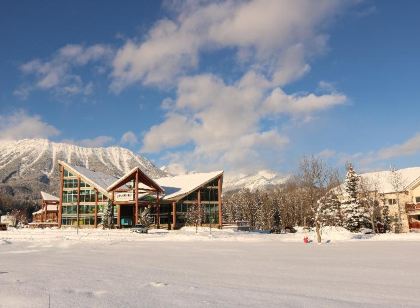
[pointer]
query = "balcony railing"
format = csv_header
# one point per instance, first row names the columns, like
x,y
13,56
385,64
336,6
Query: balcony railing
x,y
412,207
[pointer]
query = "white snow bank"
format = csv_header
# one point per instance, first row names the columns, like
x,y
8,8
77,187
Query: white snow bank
x,y
329,234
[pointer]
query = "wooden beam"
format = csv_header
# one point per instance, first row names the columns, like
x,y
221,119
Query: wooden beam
x,y
119,216
158,209
60,209
136,198
200,210
44,207
173,215
78,200
96,208
219,199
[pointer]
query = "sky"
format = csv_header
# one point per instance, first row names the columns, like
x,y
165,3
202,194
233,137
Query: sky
x,y
208,85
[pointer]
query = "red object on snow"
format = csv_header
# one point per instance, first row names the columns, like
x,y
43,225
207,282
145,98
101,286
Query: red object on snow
x,y
306,240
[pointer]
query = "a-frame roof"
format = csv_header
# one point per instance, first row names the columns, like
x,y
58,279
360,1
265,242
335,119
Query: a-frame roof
x,y
48,197
96,179
143,178
177,187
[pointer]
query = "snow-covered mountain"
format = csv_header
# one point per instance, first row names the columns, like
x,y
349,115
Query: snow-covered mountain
x,y
30,165
262,179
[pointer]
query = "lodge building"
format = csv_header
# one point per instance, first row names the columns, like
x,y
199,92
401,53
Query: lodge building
x,y
46,216
84,193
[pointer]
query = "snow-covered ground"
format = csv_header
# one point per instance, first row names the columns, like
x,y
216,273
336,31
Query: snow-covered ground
x,y
97,268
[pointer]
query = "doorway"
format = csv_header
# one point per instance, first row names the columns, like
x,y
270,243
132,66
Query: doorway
x,y
127,214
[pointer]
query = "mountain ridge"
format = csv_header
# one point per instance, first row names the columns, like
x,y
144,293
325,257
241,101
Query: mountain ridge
x,y
30,165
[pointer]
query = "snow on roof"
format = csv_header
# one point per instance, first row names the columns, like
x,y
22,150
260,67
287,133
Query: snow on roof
x,y
125,176
383,178
48,197
95,178
174,187
50,208
178,186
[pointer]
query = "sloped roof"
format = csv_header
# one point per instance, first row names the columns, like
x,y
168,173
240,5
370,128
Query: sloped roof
x,y
179,186
95,178
409,176
48,197
143,177
174,187
50,208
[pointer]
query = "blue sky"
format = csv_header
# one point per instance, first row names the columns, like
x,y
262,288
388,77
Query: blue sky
x,y
236,85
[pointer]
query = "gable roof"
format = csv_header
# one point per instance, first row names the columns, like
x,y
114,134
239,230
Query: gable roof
x,y
48,197
143,177
177,187
50,208
96,179
409,176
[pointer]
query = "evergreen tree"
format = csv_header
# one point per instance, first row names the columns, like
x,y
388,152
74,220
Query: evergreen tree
x,y
145,216
355,215
108,216
386,218
328,212
276,221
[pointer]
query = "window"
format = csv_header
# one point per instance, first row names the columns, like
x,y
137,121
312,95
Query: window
x,y
70,196
181,207
70,183
67,173
87,209
417,199
392,201
89,220
102,197
69,210
68,221
83,184
87,196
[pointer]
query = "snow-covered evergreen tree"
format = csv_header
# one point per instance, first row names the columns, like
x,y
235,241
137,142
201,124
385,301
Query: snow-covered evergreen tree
x,y
277,224
108,216
328,211
386,218
355,215
144,216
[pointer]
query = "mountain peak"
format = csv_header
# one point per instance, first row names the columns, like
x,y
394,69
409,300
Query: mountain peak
x,y
31,165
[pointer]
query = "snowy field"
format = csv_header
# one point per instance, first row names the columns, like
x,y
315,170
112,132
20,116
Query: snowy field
x,y
96,268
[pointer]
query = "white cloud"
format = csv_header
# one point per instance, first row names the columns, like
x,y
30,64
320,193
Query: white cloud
x,y
280,102
276,37
59,72
129,138
223,122
20,125
409,147
175,169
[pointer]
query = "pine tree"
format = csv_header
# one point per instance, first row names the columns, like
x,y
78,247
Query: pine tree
x,y
144,216
108,216
355,215
328,212
276,221
386,218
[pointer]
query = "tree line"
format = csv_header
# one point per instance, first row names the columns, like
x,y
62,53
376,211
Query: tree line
x,y
314,197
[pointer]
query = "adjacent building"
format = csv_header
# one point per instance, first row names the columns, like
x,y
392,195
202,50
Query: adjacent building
x,y
47,215
84,193
400,191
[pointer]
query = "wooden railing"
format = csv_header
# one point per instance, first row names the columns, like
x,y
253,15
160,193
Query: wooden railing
x,y
412,207
414,224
